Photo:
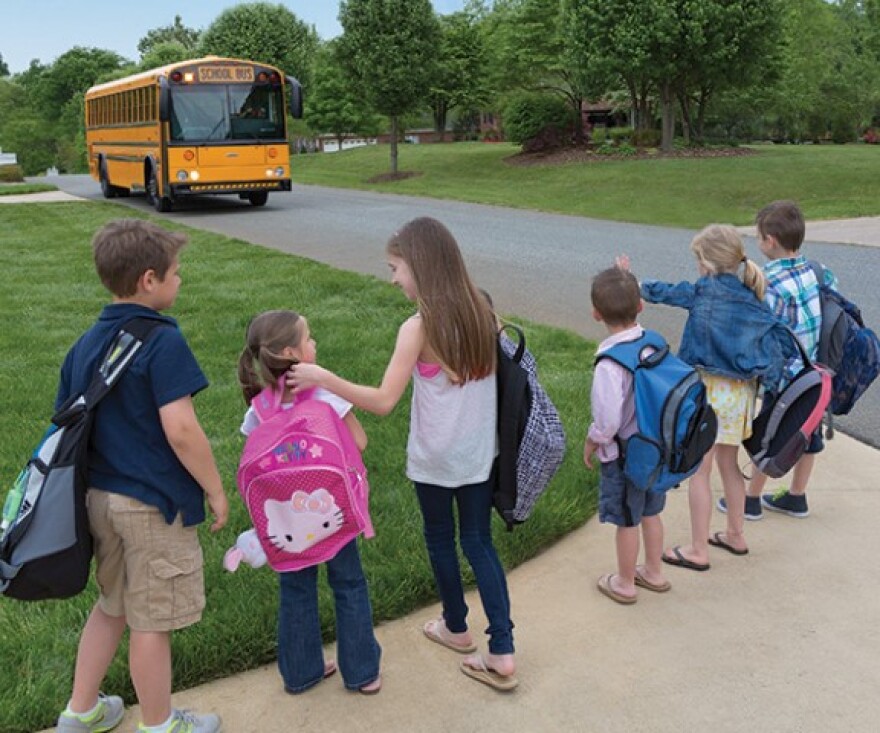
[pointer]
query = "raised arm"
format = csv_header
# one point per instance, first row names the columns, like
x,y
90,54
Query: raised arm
x,y
379,400
681,295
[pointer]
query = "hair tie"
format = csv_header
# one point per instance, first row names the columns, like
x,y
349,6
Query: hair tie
x,y
744,259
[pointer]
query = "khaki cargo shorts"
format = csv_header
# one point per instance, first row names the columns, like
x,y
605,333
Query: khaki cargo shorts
x,y
148,570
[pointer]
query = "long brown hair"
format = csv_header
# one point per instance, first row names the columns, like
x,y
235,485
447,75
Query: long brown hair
x,y
719,248
459,323
261,362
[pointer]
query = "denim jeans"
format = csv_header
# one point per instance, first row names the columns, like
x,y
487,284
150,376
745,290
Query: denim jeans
x,y
300,651
474,504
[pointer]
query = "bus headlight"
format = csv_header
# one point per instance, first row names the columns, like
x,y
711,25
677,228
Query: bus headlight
x,y
181,175
194,175
279,171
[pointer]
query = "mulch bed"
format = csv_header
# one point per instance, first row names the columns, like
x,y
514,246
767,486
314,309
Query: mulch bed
x,y
587,155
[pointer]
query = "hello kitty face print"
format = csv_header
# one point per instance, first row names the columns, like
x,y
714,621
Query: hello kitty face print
x,y
296,525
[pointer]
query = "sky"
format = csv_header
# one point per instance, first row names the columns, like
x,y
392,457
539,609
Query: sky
x,y
45,29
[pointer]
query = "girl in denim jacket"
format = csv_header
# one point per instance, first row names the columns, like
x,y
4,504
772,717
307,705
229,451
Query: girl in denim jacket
x,y
733,339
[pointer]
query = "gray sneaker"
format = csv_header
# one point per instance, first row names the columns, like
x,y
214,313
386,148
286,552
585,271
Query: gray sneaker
x,y
795,505
107,715
186,721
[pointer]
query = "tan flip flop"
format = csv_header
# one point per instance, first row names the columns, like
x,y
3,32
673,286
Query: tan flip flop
x,y
436,631
643,582
480,671
604,585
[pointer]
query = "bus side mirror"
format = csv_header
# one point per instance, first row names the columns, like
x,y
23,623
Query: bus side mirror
x,y
164,100
296,98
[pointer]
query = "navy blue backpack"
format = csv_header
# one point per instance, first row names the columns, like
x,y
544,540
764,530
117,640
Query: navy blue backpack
x,y
676,423
847,347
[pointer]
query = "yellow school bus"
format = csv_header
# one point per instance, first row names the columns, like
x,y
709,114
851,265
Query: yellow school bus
x,y
206,126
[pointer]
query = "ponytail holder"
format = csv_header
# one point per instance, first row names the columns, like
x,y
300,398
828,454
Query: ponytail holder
x,y
744,259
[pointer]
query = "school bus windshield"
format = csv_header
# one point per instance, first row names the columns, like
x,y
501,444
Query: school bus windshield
x,y
219,112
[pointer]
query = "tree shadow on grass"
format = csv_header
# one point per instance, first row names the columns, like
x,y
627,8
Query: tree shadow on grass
x,y
391,177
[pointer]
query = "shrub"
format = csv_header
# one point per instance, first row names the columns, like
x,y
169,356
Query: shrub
x,y
621,135
872,136
527,115
11,174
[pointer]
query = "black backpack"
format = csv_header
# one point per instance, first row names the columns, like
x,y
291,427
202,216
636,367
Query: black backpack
x,y
531,439
46,544
847,347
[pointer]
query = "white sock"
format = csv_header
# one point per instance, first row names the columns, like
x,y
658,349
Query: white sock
x,y
161,728
86,714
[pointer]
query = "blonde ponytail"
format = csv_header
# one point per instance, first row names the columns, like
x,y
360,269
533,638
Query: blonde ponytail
x,y
753,277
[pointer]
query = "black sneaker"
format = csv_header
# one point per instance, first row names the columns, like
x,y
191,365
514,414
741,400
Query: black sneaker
x,y
795,505
752,512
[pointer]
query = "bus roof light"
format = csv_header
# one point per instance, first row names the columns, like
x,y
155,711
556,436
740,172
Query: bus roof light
x,y
176,76
189,77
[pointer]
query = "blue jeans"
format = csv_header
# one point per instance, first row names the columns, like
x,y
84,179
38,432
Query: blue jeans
x,y
474,520
300,651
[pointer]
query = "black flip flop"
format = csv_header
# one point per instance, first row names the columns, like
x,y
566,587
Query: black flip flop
x,y
716,541
680,561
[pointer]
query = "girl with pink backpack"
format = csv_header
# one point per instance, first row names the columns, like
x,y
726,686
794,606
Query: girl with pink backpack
x,y
306,518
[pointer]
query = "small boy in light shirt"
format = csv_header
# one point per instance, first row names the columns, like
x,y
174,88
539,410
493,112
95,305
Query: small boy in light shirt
x,y
617,303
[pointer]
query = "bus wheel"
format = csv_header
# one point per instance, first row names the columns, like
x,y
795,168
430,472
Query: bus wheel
x,y
106,189
258,198
162,204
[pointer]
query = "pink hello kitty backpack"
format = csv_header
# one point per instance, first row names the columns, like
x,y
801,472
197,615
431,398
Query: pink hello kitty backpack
x,y
303,481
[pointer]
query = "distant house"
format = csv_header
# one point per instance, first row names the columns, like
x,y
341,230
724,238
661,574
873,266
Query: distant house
x,y
8,158
329,143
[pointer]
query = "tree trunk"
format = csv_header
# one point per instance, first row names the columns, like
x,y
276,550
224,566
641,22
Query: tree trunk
x,y
577,105
668,117
394,144
702,104
441,111
684,103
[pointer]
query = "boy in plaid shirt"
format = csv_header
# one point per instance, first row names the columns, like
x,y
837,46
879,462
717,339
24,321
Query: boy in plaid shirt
x,y
793,295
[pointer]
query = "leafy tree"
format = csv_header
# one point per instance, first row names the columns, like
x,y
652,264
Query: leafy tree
x,y
176,33
460,76
50,87
263,32
161,54
4,67
724,44
389,49
333,106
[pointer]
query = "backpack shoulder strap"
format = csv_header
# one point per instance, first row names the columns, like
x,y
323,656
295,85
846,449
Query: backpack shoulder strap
x,y
630,354
520,340
818,270
119,355
268,402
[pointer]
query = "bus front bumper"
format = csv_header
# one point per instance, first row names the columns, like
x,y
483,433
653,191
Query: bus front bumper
x,y
195,189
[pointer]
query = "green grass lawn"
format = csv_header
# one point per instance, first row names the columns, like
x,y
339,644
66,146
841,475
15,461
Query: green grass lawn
x,y
51,294
829,181
15,189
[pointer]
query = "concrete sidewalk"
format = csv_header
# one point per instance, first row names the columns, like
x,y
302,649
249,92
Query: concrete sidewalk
x,y
785,639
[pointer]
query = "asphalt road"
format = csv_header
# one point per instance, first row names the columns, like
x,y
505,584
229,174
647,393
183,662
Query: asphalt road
x,y
537,266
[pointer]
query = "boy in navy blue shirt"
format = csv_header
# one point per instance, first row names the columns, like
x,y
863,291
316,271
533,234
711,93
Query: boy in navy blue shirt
x,y
150,469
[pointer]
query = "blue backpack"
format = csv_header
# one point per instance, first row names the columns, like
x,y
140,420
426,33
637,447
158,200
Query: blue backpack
x,y
847,347
676,423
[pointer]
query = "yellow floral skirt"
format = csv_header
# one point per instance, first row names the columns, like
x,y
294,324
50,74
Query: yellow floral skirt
x,y
734,403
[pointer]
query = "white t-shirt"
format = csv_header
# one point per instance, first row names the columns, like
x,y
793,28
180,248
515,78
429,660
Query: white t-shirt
x,y
453,437
342,407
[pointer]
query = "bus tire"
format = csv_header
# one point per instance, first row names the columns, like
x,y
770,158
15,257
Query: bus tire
x,y
258,198
109,191
162,204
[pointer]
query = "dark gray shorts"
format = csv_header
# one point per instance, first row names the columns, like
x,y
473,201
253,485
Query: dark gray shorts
x,y
621,503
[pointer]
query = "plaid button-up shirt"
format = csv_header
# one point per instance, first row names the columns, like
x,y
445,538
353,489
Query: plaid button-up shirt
x,y
793,296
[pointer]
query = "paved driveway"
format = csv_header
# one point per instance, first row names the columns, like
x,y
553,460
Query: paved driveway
x,y
536,265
